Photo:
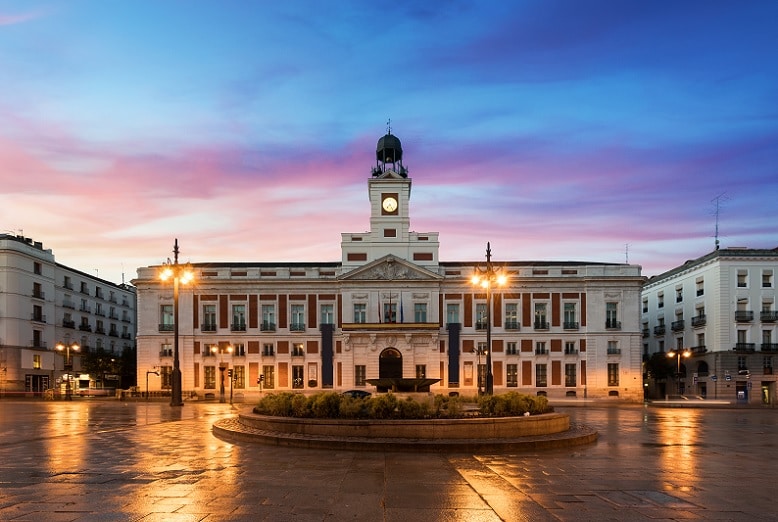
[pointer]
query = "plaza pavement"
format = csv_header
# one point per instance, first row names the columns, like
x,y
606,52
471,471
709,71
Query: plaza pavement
x,y
106,460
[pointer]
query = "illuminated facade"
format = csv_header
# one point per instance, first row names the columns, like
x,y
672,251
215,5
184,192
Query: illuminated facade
x,y
390,308
43,303
722,308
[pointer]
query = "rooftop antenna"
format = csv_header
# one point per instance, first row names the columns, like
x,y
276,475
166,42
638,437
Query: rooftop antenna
x,y
626,252
717,211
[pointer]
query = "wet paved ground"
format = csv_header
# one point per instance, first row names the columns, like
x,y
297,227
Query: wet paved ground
x,y
107,460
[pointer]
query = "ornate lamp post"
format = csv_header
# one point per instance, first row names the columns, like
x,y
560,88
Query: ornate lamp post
x,y
487,277
215,349
68,365
678,354
180,274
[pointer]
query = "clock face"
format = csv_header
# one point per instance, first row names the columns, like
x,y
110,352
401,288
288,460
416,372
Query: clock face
x,y
389,204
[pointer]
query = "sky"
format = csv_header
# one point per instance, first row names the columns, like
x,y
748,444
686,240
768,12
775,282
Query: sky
x,y
595,130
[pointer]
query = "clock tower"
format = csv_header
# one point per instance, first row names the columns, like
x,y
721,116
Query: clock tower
x,y
389,191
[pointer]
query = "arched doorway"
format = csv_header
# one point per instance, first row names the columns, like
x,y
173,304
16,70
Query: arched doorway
x,y
390,364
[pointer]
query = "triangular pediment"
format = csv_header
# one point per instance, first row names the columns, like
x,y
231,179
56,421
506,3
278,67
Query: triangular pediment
x,y
389,268
390,174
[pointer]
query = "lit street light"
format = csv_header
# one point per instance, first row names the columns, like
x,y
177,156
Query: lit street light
x,y
486,278
678,354
68,365
181,274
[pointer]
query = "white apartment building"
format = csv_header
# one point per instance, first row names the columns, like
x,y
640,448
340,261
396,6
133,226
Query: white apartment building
x,y
390,308
44,303
722,308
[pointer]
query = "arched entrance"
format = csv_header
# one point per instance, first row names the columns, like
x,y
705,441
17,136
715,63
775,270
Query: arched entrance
x,y
390,364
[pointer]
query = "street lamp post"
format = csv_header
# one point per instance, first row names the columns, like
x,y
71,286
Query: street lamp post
x,y
68,365
155,372
479,352
214,349
487,277
678,354
181,274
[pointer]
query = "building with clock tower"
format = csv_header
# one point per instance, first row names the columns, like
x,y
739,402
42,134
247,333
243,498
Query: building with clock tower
x,y
390,308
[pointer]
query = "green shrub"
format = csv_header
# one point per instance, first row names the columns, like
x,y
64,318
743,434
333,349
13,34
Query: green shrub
x,y
353,408
383,406
325,405
411,409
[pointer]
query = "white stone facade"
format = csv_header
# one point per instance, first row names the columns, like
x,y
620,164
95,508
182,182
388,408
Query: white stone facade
x,y
392,308
721,307
43,303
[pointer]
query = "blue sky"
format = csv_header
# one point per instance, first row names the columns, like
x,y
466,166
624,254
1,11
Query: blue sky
x,y
558,130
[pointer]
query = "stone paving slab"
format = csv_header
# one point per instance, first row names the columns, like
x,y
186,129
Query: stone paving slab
x,y
108,461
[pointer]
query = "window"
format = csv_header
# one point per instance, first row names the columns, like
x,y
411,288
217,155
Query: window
x,y
239,377
512,375
541,321
239,318
767,278
540,348
269,377
268,318
360,313
268,350
327,314
297,350
701,342
37,314
742,278
480,316
660,300
166,377
67,283
420,312
36,267
390,312
679,294
613,348
360,374
452,313
612,316
209,318
613,374
767,363
421,371
511,348
571,322
36,361
166,350
511,316
700,287
298,376
570,375
645,305
570,348
209,382
741,364
298,318
239,349
540,376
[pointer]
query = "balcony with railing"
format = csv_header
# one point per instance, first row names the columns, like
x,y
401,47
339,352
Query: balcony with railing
x,y
126,336
541,351
166,327
99,330
167,352
646,332
570,325
480,325
745,347
238,327
612,324
267,326
298,352
66,323
659,330
571,351
614,351
540,325
113,333
85,327
38,344
297,327
38,317
769,347
67,303
85,308
744,316
699,320
768,316
678,325
699,349
512,324
37,293
208,327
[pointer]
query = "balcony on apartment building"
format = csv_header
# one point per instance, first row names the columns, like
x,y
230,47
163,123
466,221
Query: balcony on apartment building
x,y
699,321
745,347
678,326
744,316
